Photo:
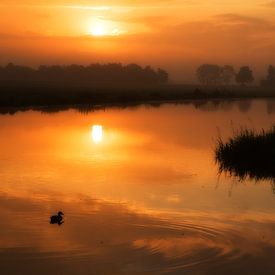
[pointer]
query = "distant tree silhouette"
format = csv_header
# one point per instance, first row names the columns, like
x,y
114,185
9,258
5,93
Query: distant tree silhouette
x,y
245,75
162,75
209,74
271,73
244,105
12,71
228,74
111,72
270,80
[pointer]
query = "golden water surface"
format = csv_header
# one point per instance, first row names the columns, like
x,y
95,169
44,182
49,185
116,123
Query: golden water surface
x,y
140,191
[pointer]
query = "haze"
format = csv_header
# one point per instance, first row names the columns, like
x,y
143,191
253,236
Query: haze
x,y
173,34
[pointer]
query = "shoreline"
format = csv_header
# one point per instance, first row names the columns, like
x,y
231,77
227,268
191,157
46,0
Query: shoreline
x,y
15,97
88,107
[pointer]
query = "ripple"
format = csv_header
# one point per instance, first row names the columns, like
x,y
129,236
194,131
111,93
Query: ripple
x,y
188,245
112,238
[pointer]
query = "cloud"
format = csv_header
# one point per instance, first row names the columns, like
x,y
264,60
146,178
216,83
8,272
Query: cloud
x,y
91,4
270,4
175,43
153,22
237,19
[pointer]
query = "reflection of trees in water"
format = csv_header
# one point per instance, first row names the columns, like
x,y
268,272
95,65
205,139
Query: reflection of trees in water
x,y
86,109
214,105
8,111
209,106
273,186
244,105
198,103
270,106
206,105
52,109
224,105
227,105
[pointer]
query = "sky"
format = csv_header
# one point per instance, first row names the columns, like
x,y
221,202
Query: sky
x,y
177,35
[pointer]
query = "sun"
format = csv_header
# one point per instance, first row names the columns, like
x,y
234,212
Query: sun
x,y
97,133
98,29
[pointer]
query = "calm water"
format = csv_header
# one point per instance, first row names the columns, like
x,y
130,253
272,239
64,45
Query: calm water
x,y
140,191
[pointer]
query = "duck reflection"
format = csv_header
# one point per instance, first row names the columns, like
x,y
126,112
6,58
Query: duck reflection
x,y
57,219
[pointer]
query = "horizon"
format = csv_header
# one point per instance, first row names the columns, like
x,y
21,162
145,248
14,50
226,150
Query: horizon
x,y
196,81
175,35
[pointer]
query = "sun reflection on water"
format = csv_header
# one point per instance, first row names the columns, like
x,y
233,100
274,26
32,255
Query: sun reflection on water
x,y
97,133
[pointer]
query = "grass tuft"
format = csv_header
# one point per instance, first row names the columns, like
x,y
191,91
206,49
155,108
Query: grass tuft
x,y
248,154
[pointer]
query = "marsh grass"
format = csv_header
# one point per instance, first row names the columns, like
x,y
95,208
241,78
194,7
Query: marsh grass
x,y
248,154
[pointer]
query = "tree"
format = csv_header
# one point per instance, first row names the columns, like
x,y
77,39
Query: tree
x,y
110,72
209,74
270,79
162,75
245,75
228,74
271,74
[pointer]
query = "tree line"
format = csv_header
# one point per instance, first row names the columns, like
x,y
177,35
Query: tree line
x,y
111,72
210,74
270,79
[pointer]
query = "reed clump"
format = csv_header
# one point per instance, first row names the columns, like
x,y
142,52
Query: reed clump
x,y
248,154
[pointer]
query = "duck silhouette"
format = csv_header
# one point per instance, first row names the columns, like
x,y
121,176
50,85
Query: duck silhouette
x,y
57,219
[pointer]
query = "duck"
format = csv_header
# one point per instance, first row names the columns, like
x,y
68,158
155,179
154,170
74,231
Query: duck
x,y
57,218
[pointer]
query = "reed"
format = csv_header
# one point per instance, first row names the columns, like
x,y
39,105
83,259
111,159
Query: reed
x,y
248,154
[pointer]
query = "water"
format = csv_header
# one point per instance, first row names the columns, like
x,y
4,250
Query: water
x,y
140,191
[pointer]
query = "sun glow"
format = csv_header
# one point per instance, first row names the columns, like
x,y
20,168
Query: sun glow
x,y
99,27
99,30
97,133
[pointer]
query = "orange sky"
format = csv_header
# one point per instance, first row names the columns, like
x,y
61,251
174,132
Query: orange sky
x,y
174,34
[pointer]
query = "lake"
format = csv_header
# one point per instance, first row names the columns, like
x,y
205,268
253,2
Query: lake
x,y
140,192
